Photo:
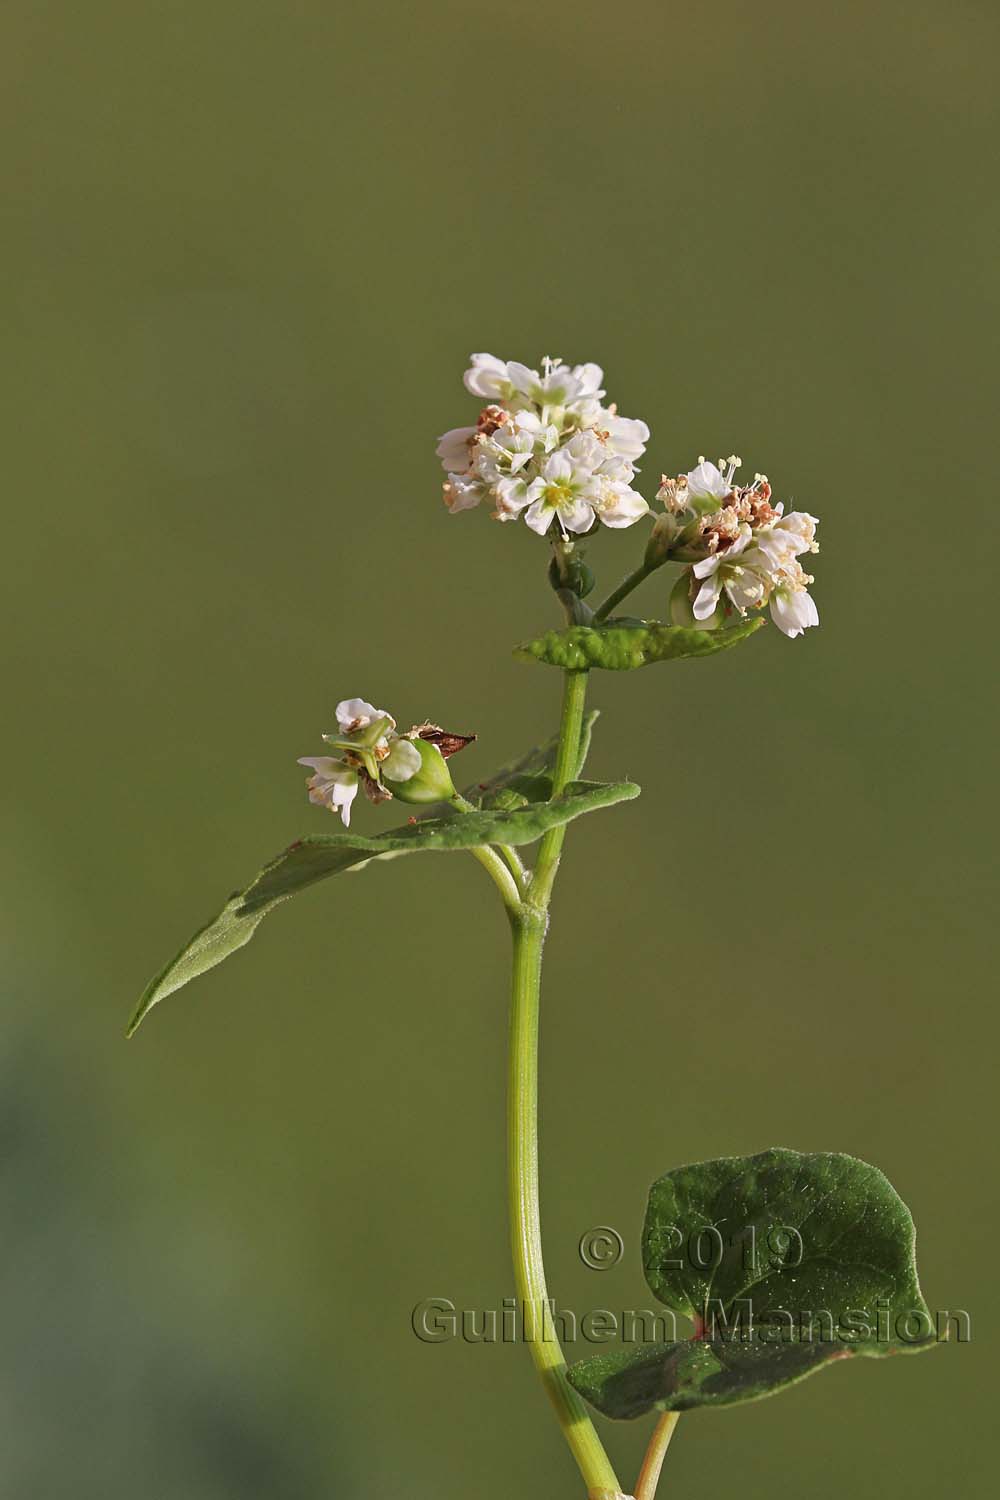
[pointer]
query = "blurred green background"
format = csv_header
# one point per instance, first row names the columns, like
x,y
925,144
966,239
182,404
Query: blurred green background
x,y
248,248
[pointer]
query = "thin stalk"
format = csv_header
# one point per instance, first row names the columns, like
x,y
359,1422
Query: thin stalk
x,y
649,1474
510,855
626,586
500,875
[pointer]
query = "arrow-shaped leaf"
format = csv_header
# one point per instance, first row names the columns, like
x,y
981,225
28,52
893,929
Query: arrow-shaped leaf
x,y
314,858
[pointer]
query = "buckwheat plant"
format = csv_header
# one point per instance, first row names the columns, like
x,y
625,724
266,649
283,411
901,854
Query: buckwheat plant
x,y
782,1261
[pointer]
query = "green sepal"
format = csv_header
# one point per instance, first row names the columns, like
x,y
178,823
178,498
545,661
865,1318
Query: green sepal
x,y
619,647
786,1262
314,858
432,783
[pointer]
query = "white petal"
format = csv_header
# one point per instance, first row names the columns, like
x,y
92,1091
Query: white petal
x,y
453,448
586,451
356,713
627,436
745,588
512,495
539,516
588,378
707,597
800,527
793,611
325,765
578,515
624,508
462,492
523,379
486,376
342,796
706,567
706,483
402,762
558,468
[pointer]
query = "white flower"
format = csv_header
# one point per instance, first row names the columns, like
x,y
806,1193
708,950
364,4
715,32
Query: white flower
x,y
788,537
558,386
588,379
463,491
354,714
627,436
334,784
455,448
369,749
615,502
564,488
511,497
488,377
510,447
793,610
706,482
750,578
741,571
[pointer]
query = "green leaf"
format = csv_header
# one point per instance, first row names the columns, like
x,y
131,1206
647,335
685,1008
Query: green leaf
x,y
314,858
679,1376
620,647
785,1262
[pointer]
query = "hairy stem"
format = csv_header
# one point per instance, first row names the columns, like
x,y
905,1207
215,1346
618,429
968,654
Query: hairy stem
x,y
649,1474
529,926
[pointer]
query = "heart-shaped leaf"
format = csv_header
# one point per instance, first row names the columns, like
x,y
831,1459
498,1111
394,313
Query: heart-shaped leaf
x,y
785,1262
314,858
620,647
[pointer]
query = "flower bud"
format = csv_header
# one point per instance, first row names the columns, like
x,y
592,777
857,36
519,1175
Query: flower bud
x,y
431,783
666,529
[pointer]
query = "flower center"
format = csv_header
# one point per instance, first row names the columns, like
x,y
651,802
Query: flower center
x,y
557,495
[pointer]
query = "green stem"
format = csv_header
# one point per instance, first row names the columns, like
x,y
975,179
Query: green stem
x,y
529,925
526,1237
649,1474
627,585
501,876
510,854
566,767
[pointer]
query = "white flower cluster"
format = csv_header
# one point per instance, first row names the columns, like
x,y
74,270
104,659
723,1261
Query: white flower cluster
x,y
369,749
545,448
745,549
